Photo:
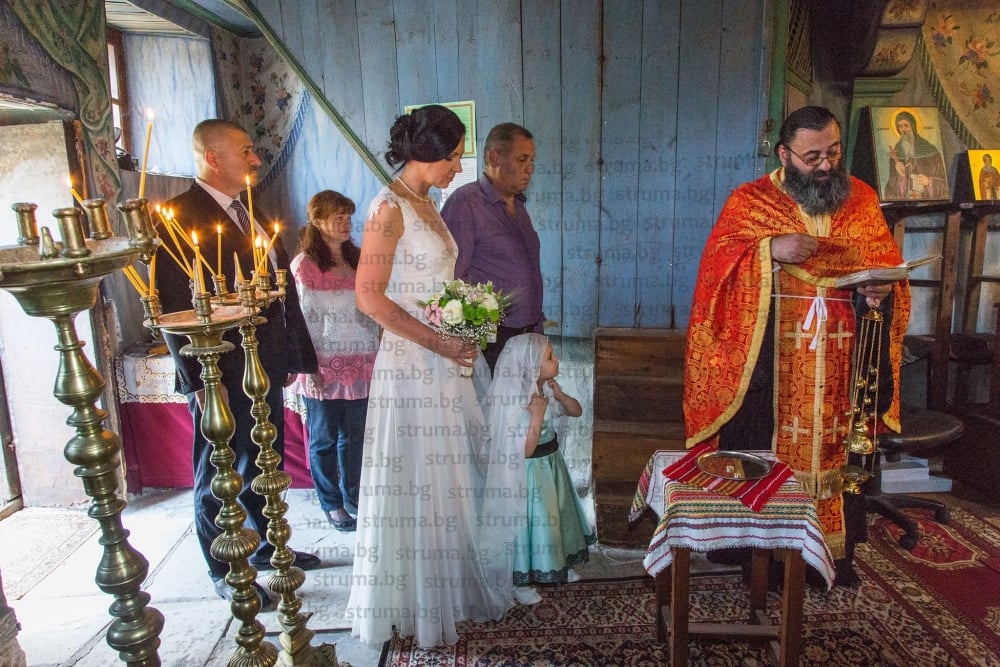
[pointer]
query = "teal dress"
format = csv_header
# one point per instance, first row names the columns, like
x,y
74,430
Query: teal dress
x,y
556,534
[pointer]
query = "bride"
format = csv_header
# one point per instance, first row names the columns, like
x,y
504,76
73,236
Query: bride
x,y
417,565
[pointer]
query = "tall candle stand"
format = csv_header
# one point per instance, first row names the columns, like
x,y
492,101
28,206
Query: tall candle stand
x,y
57,281
204,327
272,483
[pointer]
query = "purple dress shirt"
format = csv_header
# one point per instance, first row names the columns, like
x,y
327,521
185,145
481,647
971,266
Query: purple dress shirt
x,y
493,246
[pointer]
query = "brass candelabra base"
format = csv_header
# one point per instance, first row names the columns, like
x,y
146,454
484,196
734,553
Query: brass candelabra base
x,y
58,288
205,327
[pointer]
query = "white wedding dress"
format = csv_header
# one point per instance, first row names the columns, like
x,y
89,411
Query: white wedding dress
x,y
416,565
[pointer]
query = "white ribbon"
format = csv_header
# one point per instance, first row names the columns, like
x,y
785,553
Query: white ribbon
x,y
817,310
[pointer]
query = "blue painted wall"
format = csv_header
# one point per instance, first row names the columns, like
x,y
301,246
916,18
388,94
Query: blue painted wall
x,y
646,114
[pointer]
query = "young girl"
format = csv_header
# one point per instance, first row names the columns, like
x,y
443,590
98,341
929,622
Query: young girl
x,y
520,405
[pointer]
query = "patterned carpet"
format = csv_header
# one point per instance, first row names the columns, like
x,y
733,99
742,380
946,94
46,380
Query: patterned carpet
x,y
936,605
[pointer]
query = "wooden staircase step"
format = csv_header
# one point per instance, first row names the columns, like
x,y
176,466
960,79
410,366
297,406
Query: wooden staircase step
x,y
642,352
638,400
621,457
671,431
638,390
613,527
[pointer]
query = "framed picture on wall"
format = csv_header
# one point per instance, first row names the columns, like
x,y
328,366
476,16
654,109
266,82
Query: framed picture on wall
x,y
907,153
984,173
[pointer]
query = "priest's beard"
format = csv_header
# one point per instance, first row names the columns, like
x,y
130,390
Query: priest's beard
x,y
818,192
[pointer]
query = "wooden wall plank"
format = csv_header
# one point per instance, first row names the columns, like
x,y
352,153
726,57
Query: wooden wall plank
x,y
498,85
271,13
380,79
340,65
622,58
692,64
446,49
540,48
415,51
468,38
739,126
657,205
697,106
291,29
580,36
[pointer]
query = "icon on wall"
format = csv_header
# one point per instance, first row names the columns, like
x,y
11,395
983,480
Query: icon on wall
x,y
909,161
984,173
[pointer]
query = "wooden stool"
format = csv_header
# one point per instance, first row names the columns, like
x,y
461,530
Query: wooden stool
x,y
673,604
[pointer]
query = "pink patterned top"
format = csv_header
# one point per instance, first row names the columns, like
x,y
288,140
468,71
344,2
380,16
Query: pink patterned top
x,y
345,340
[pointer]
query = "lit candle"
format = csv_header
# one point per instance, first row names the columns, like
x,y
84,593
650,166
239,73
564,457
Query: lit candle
x,y
239,272
145,152
218,249
133,277
72,190
253,227
199,277
266,255
152,275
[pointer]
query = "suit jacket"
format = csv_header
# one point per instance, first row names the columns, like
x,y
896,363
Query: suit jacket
x,y
284,342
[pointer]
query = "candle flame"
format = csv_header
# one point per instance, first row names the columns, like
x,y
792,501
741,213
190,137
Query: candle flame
x,y
218,229
149,114
69,181
257,242
194,238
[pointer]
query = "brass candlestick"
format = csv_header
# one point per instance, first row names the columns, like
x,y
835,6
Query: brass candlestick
x,y
272,484
58,281
205,327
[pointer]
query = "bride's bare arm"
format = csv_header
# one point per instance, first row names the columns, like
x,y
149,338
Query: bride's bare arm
x,y
378,248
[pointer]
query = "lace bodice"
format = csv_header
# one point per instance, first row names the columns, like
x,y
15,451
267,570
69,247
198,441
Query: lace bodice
x,y
425,255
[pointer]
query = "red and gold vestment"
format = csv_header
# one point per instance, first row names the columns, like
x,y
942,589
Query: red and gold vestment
x,y
739,284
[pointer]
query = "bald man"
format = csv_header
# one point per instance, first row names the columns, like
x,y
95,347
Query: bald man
x,y
224,158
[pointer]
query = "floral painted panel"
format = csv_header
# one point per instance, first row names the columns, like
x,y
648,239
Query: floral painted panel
x,y
262,93
962,45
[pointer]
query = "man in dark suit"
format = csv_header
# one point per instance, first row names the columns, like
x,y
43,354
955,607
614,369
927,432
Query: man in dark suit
x,y
224,159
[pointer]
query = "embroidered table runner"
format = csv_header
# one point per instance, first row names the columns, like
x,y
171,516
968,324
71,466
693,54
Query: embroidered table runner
x,y
703,520
754,493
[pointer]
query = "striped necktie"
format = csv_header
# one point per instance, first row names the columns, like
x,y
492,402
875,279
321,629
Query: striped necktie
x,y
242,217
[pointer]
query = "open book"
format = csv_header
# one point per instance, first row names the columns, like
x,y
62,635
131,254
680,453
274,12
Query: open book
x,y
884,274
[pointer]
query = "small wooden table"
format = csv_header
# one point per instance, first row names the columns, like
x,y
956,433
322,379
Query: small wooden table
x,y
692,519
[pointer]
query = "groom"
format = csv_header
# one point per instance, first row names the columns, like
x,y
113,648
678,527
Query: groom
x,y
224,160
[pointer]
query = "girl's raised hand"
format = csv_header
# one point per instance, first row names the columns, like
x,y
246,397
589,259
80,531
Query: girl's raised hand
x,y
537,405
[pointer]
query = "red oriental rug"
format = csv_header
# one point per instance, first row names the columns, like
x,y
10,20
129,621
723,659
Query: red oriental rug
x,y
936,605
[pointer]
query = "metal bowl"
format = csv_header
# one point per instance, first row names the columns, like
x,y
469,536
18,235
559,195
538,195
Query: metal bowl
x,y
737,466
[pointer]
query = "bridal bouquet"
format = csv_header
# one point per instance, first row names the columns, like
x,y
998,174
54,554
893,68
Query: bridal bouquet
x,y
470,312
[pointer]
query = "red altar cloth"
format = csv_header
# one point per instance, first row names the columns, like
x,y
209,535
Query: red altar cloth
x,y
156,428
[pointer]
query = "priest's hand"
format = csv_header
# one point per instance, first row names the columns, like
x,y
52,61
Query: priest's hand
x,y
793,248
874,293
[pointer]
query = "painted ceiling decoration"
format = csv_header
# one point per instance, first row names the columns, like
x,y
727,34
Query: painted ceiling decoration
x,y
960,50
897,36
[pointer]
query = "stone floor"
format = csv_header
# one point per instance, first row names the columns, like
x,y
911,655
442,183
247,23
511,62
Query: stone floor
x,y
49,573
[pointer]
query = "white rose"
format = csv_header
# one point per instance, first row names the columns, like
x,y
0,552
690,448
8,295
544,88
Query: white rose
x,y
452,313
490,302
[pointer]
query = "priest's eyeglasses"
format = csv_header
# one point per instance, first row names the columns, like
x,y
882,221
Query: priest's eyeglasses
x,y
815,159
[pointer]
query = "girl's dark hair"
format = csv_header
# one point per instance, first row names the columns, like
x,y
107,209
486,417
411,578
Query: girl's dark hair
x,y
427,134
311,241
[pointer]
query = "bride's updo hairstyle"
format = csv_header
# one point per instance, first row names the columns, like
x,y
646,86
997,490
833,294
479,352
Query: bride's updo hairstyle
x,y
427,134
